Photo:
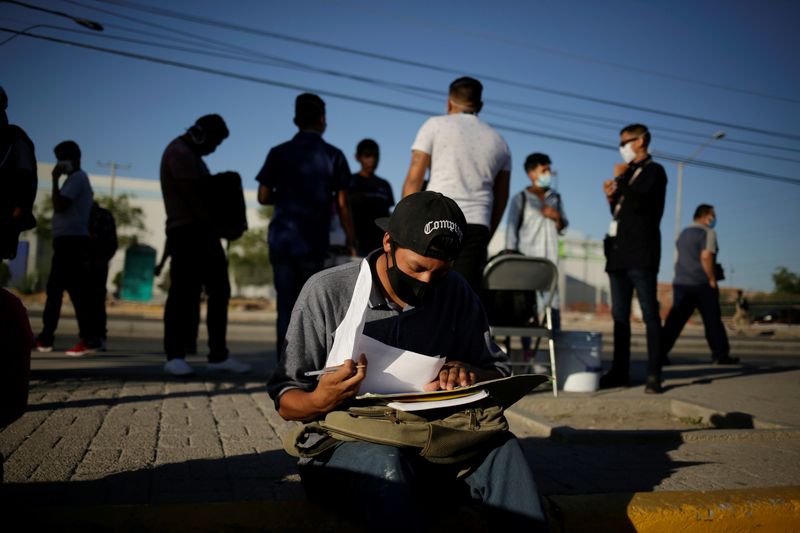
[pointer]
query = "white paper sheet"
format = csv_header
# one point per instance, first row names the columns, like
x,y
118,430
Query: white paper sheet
x,y
391,369
437,404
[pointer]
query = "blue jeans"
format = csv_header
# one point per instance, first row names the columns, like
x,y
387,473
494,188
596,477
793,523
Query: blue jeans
x,y
704,298
384,485
290,273
623,282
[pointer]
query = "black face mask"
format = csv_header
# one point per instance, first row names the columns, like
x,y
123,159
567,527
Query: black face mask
x,y
409,289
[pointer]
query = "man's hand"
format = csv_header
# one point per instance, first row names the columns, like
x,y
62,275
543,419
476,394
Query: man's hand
x,y
610,187
339,386
550,212
57,171
713,283
453,374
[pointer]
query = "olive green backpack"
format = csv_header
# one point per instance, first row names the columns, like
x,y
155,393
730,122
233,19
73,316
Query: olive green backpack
x,y
443,435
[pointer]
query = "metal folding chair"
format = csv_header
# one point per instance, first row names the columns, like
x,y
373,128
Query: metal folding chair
x,y
521,273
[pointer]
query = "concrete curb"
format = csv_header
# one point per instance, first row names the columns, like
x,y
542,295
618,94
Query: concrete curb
x,y
774,509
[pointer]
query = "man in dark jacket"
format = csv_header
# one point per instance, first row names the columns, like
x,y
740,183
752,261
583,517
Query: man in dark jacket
x,y
301,178
633,252
198,259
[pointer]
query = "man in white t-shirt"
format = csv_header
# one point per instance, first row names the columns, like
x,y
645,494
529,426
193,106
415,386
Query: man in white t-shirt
x,y
469,162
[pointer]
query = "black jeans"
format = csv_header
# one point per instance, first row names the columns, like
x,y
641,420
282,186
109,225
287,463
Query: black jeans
x,y
623,282
473,255
97,277
68,272
290,273
198,261
704,298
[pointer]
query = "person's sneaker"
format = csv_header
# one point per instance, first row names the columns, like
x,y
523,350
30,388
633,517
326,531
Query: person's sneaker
x,y
178,367
42,347
102,345
80,349
653,385
727,360
230,365
611,380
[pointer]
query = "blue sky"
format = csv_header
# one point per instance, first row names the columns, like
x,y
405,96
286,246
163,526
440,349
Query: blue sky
x,y
730,62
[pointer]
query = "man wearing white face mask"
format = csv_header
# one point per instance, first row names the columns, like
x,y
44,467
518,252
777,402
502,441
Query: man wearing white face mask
x,y
535,220
633,252
695,287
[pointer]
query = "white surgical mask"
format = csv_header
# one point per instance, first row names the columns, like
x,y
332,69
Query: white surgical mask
x,y
627,152
544,180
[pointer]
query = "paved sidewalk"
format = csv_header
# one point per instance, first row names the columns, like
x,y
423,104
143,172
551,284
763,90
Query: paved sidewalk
x,y
109,440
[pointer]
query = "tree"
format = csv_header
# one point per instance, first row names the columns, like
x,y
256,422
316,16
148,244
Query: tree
x,y
129,218
786,281
249,255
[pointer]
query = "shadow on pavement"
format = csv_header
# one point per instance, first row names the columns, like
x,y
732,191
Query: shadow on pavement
x,y
706,375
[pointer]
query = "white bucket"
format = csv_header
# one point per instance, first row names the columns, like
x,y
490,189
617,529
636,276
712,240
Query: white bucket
x,y
578,360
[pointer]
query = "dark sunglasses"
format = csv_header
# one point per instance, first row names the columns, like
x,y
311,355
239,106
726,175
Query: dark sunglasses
x,y
623,143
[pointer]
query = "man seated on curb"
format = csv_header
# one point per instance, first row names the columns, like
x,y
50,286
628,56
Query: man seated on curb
x,y
416,303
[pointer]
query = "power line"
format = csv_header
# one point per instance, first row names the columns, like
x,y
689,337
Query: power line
x,y
410,89
389,105
578,57
567,94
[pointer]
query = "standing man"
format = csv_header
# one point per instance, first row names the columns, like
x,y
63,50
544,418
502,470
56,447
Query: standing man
x,y
198,259
741,320
370,198
469,162
695,287
535,220
301,177
102,247
72,204
633,252
18,182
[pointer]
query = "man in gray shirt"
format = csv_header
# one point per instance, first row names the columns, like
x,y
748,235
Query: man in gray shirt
x,y
415,303
72,203
695,287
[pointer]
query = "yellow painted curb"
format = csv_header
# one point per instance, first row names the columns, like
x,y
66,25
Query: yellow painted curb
x,y
774,509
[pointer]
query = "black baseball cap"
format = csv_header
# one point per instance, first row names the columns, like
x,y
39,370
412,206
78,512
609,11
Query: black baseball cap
x,y
421,218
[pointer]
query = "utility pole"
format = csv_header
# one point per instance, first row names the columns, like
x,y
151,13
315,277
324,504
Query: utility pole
x,y
113,166
679,192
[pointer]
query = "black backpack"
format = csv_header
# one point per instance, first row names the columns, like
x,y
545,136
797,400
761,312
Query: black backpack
x,y
102,234
17,189
225,198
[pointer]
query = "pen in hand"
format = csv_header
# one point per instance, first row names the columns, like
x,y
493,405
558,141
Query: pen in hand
x,y
329,370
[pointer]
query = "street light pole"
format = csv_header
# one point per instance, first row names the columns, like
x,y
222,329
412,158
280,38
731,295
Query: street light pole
x,y
113,166
678,194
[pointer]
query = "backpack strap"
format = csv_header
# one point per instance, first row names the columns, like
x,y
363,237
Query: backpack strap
x,y
308,440
521,212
